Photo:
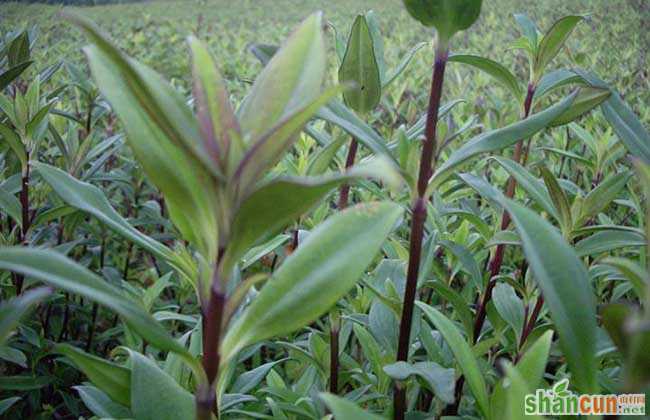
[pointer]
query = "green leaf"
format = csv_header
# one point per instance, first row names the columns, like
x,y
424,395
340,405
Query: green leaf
x,y
338,114
509,306
528,29
360,66
155,395
322,159
346,410
639,277
560,200
528,182
279,202
447,16
588,98
463,353
24,382
59,271
291,80
458,302
269,149
498,139
564,282
516,395
555,80
553,41
627,126
323,268
492,68
441,381
111,378
164,136
217,120
100,403
609,240
90,199
11,206
601,196
7,403
12,73
401,67
12,310
15,143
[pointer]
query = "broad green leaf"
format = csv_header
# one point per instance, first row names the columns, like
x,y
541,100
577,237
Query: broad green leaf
x,y
601,196
531,366
279,202
325,266
609,240
90,199
441,380
164,136
12,310
555,80
344,409
553,41
531,184
528,29
10,205
463,353
564,282
492,68
269,149
111,378
57,270
516,395
100,404
217,120
12,73
155,395
588,98
290,81
498,139
322,159
360,66
627,126
16,145
447,16
509,306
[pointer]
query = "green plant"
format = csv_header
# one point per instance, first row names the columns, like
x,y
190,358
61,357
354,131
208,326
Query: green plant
x,y
208,238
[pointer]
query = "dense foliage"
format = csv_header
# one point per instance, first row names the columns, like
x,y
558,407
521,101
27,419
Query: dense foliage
x,y
428,209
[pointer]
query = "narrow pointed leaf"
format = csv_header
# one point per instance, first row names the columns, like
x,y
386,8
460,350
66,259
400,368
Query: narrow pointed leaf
x,y
554,40
492,68
628,127
113,379
498,139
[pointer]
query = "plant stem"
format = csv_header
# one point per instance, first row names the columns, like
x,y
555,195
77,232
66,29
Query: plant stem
x,y
345,188
206,401
419,211
334,354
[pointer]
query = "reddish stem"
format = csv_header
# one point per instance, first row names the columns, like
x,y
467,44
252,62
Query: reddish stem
x,y
419,212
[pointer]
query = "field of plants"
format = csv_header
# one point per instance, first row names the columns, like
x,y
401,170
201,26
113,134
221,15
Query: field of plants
x,y
288,209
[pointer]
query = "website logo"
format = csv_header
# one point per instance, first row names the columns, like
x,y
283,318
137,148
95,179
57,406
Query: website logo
x,y
560,401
